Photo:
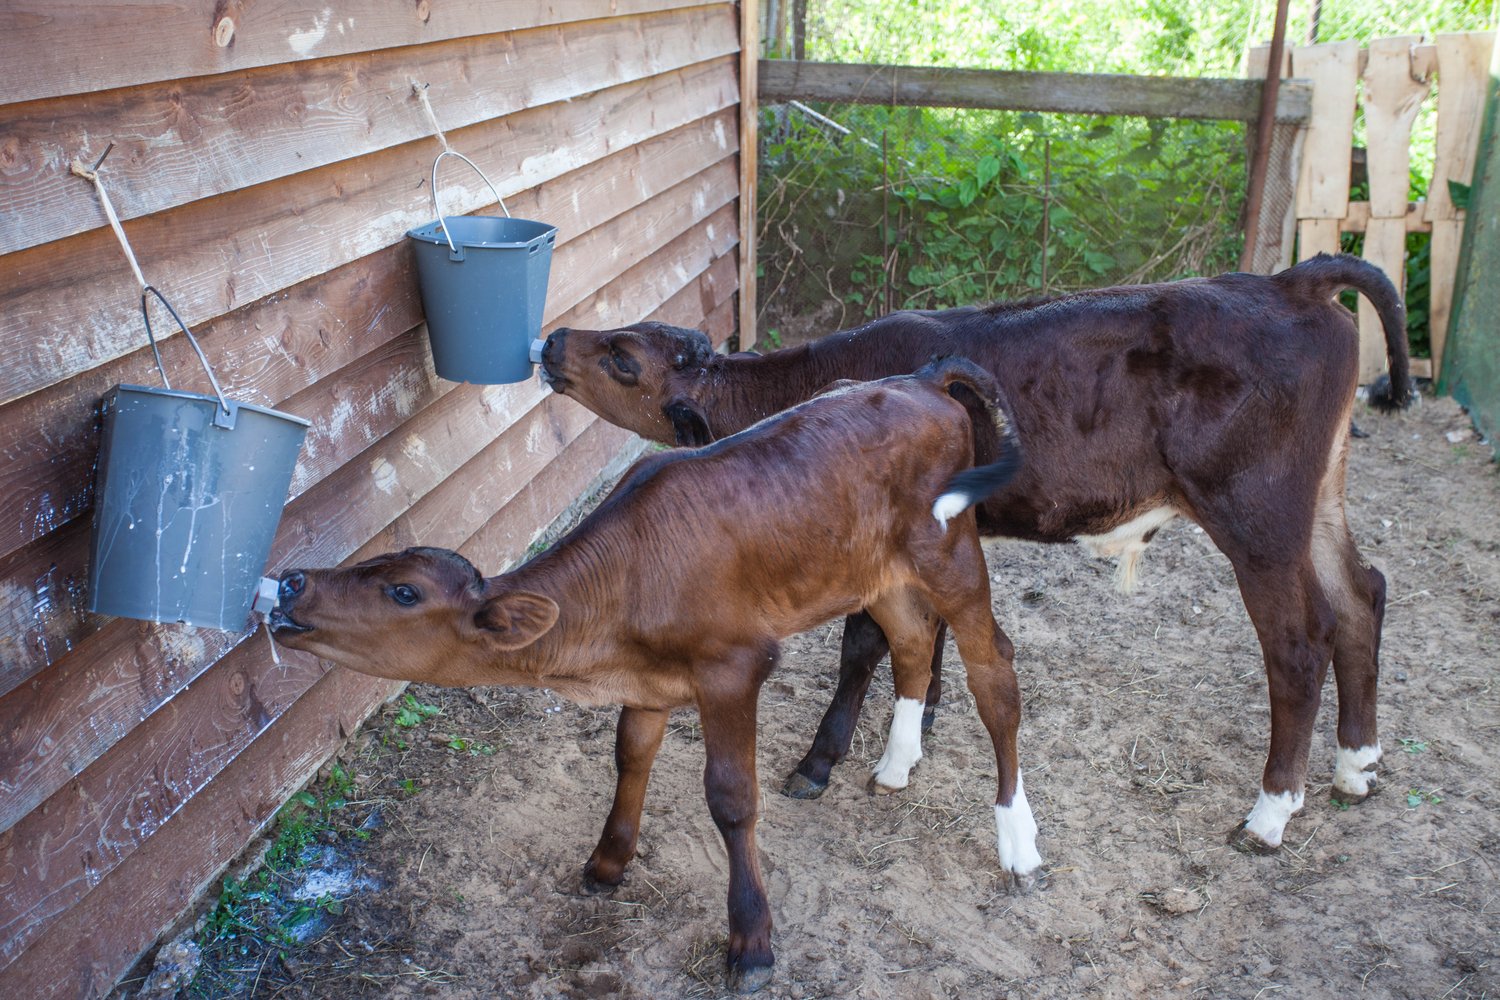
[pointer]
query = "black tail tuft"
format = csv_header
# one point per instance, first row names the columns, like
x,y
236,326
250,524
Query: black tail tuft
x,y
1382,396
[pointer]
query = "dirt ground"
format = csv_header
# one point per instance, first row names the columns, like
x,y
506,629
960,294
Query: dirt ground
x,y
1144,734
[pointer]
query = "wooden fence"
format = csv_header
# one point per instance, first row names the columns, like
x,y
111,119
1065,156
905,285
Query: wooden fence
x,y
267,163
1389,80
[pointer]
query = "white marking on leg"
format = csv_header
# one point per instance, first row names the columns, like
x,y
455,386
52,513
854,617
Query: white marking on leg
x,y
1269,816
1354,770
949,506
904,748
1015,830
1127,541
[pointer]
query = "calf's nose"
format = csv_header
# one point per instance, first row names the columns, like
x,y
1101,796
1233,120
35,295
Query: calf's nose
x,y
553,348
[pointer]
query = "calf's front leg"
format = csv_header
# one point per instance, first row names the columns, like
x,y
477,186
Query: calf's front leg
x,y
638,737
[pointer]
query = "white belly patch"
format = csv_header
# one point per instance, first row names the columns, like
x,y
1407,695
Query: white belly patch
x,y
1126,543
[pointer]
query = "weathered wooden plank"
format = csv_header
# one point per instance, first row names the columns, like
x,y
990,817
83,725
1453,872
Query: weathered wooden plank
x,y
317,328
175,144
1392,99
84,950
73,305
456,507
504,539
56,47
127,669
1323,185
1074,93
1258,58
1385,247
101,817
1315,236
749,168
1447,236
1463,67
1358,218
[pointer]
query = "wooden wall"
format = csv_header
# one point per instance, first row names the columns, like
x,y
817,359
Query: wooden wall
x,y
268,159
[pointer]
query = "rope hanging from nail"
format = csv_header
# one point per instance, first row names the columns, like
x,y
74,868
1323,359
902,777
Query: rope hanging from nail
x,y
420,89
91,174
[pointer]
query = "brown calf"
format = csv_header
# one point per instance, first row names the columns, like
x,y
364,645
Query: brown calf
x,y
1223,400
821,511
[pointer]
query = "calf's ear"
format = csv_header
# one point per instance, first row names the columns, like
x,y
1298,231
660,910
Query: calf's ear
x,y
689,426
517,619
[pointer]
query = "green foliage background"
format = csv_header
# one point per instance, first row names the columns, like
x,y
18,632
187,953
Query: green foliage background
x,y
866,209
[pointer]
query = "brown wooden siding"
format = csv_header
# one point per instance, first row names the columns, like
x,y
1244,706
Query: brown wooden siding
x,y
266,187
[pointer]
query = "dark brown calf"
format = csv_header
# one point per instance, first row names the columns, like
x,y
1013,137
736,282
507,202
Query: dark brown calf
x,y
1223,400
678,588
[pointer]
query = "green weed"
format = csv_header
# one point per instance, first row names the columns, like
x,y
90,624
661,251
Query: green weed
x,y
413,712
1415,797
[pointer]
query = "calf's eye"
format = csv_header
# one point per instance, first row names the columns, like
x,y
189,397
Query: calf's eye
x,y
404,594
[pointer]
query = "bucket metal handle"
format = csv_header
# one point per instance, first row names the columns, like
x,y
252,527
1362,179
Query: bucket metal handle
x,y
227,417
442,222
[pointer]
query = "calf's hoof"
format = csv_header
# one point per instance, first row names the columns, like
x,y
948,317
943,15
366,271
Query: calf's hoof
x,y
1242,840
876,788
1344,797
800,786
1023,885
929,716
596,883
747,979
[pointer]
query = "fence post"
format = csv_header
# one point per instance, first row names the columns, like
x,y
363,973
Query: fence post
x,y
749,153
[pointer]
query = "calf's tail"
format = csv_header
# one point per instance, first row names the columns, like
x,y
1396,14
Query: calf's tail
x,y
1330,274
980,394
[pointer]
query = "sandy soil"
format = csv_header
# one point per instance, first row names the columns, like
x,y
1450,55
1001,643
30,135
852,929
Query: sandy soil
x,y
1144,735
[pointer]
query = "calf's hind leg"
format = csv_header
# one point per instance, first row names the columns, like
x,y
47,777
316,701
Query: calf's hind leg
x,y
863,646
961,594
1356,591
1296,624
638,737
910,625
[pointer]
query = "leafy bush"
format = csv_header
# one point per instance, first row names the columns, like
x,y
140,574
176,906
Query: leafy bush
x,y
923,208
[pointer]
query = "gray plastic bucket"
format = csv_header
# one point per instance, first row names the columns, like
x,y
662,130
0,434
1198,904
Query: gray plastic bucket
x,y
484,286
188,492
